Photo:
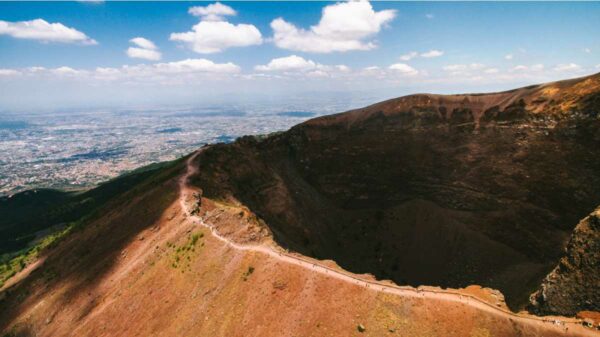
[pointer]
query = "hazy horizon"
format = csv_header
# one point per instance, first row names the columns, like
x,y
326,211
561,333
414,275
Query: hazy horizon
x,y
77,55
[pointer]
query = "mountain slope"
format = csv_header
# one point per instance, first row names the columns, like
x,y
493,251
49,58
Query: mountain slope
x,y
401,190
428,189
170,275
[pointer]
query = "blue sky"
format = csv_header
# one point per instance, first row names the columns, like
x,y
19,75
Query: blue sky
x,y
382,49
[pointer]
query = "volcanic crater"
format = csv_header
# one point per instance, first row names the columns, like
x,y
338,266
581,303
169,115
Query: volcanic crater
x,y
428,189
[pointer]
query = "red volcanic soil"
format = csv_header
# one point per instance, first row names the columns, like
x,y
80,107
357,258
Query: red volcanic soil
x,y
157,282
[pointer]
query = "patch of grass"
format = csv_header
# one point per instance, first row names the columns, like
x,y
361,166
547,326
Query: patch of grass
x,y
26,213
11,264
183,253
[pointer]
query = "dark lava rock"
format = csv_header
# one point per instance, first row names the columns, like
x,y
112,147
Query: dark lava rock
x,y
574,285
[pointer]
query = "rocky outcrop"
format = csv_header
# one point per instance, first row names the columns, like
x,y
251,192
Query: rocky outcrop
x,y
574,285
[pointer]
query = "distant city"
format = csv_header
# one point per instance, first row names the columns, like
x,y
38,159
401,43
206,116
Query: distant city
x,y
75,150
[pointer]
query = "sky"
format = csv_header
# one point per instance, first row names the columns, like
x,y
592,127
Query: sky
x,y
124,54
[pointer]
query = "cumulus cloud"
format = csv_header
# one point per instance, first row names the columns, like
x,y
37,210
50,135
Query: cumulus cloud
x,y
145,49
432,53
523,68
295,64
404,69
508,56
143,43
289,63
409,56
491,71
428,54
213,34
567,67
185,67
142,53
44,31
67,71
9,72
343,27
212,12
462,67
183,71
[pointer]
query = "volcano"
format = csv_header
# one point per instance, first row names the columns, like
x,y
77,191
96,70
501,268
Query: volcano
x,y
424,215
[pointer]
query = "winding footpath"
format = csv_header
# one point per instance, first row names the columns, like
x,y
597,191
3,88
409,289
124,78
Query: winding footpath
x,y
449,295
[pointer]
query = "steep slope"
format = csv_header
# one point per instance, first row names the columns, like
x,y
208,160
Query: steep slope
x,y
420,196
428,189
32,220
26,214
176,274
575,282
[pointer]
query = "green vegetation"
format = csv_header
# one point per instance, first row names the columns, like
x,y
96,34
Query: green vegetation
x,y
183,253
260,137
10,264
34,221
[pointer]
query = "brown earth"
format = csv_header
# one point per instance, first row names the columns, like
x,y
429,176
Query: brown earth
x,y
421,197
160,281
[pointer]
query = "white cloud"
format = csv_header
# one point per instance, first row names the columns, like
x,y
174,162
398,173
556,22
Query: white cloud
x,y
587,50
143,43
35,69
404,69
296,65
468,70
523,68
289,63
342,68
429,16
508,56
462,67
44,31
187,66
432,53
520,68
145,49
343,27
9,72
429,54
212,12
567,67
142,53
409,56
597,66
66,71
184,71
213,34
